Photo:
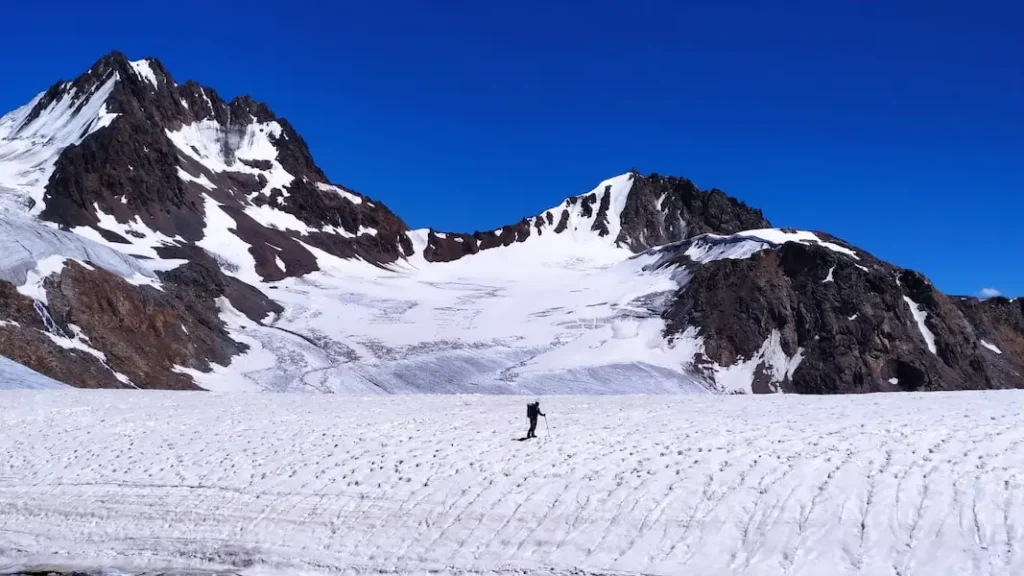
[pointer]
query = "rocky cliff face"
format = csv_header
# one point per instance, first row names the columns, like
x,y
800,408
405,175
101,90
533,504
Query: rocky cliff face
x,y
135,212
842,321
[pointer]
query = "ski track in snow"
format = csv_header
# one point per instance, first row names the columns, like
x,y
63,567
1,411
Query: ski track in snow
x,y
877,484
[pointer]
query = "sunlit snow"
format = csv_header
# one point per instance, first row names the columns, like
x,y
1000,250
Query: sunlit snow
x,y
29,149
991,347
222,149
145,71
919,317
777,236
915,484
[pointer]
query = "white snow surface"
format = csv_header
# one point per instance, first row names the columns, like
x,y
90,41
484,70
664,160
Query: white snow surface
x,y
579,225
30,251
221,149
559,313
919,316
991,347
29,149
145,71
829,277
915,484
202,180
739,377
777,236
549,315
142,240
340,191
710,247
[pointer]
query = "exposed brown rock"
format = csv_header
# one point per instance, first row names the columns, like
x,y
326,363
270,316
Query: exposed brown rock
x,y
23,339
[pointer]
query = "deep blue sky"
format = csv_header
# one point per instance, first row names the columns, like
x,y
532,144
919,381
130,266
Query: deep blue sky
x,y
898,126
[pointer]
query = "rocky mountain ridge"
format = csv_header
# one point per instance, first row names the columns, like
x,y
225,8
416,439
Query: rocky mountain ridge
x,y
172,239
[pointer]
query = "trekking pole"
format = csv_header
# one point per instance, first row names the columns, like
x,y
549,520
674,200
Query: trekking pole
x,y
547,428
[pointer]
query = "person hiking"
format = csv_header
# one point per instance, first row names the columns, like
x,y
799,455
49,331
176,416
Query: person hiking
x,y
532,411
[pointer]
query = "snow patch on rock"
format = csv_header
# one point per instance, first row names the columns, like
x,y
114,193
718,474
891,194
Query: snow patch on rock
x,y
778,236
202,180
770,360
222,149
919,316
340,191
142,240
145,71
991,347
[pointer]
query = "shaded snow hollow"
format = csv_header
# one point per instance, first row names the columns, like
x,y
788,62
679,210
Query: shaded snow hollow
x,y
911,484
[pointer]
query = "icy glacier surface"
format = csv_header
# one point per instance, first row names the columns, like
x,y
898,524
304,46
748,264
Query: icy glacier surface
x,y
910,484
24,243
16,376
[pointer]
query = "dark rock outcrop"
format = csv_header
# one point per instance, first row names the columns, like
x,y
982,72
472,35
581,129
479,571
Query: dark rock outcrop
x,y
142,332
665,209
24,338
850,320
146,332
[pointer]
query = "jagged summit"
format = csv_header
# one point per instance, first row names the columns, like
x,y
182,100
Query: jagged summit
x,y
629,212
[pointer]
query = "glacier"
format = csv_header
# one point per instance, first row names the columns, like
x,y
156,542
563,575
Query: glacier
x,y
913,484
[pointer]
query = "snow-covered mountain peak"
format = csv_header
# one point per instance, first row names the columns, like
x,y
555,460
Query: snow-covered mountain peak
x,y
622,215
33,137
128,157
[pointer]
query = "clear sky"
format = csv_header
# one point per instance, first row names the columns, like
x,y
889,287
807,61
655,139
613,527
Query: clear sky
x,y
898,126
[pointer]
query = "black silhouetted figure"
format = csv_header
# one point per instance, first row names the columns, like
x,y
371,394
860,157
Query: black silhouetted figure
x,y
532,411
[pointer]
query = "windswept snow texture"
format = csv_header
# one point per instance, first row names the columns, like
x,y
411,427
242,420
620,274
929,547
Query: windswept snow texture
x,y
29,150
910,484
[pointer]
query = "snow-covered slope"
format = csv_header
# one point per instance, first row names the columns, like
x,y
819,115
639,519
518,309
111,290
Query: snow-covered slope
x,y
33,136
555,314
910,484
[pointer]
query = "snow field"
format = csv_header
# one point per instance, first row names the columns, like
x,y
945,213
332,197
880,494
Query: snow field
x,y
910,484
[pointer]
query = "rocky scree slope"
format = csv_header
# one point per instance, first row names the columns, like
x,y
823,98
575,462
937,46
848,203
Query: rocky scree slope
x,y
154,208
